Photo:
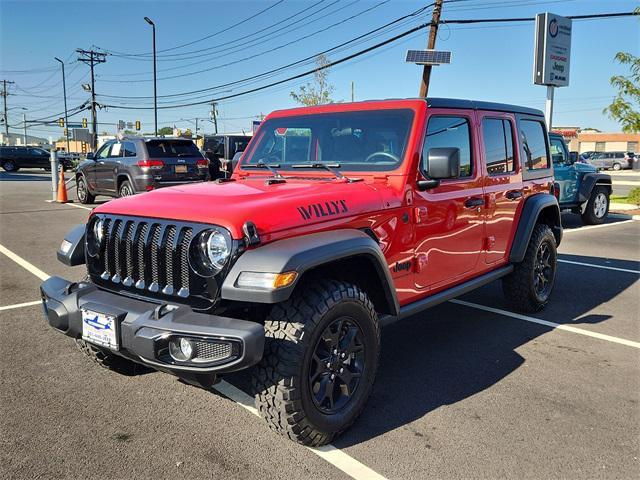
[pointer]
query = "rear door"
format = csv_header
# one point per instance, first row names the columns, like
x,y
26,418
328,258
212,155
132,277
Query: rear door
x,y
502,182
179,158
449,218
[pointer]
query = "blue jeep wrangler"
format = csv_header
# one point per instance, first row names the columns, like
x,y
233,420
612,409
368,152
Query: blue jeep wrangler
x,y
582,189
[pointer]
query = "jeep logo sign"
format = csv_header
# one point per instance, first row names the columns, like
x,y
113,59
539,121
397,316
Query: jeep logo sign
x,y
552,50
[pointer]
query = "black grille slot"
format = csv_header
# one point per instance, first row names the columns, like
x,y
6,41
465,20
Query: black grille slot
x,y
146,256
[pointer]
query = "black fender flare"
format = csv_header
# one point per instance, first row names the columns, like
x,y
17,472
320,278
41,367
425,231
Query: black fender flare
x,y
120,174
73,253
589,181
303,254
543,207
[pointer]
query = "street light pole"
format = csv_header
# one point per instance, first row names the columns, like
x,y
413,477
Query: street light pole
x,y
24,124
155,87
64,91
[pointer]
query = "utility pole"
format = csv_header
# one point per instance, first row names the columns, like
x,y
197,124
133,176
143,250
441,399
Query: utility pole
x,y
433,33
92,59
196,128
6,115
353,96
64,91
213,115
155,87
24,124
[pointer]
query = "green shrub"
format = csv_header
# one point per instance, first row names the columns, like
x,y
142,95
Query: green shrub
x,y
634,196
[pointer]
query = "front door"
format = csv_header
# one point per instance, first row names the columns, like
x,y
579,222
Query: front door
x,y
449,218
502,182
103,169
564,173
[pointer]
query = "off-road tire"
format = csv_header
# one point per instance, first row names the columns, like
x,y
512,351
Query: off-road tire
x,y
108,360
293,329
10,166
82,191
519,286
592,214
125,189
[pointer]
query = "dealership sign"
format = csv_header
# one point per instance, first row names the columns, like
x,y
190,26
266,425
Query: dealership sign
x,y
552,50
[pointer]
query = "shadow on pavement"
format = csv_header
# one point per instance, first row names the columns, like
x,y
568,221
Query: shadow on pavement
x,y
24,177
572,221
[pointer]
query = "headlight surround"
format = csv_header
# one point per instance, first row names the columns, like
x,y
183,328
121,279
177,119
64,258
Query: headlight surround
x,y
96,236
210,250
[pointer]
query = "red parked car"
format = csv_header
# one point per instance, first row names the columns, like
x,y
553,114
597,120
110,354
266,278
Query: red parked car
x,y
338,219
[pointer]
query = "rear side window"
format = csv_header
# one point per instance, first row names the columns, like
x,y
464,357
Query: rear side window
x,y
128,149
172,148
449,132
498,145
534,145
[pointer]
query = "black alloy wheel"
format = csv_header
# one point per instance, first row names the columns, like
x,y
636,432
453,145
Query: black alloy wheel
x,y
337,365
543,271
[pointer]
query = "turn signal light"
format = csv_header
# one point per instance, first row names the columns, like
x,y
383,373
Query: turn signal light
x,y
202,163
153,164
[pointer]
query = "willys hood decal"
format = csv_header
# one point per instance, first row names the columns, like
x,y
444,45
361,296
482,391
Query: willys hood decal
x,y
271,207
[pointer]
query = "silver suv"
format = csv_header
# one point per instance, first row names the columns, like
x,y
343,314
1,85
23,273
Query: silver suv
x,y
610,160
132,165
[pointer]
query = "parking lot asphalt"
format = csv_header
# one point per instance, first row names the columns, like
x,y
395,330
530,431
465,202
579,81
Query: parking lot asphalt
x,y
464,390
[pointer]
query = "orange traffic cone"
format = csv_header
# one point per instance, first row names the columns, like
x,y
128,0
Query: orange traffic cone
x,y
62,189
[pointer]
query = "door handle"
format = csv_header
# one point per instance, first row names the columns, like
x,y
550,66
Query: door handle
x,y
514,194
474,202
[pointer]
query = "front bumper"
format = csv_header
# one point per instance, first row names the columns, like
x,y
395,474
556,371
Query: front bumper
x,y
145,328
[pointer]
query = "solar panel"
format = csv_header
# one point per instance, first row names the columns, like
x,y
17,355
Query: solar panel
x,y
428,57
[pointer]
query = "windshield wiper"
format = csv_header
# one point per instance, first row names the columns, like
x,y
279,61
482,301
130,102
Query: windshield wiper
x,y
329,167
272,167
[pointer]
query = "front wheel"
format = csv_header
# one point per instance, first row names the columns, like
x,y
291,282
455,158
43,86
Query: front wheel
x,y
82,191
529,286
617,166
319,363
597,207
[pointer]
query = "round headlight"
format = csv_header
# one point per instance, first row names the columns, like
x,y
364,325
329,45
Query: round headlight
x,y
95,236
98,230
210,251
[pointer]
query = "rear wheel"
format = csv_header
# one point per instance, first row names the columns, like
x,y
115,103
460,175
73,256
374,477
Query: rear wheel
x,y
82,191
319,363
617,166
10,166
529,286
125,190
597,206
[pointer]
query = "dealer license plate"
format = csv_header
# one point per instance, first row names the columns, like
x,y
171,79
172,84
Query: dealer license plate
x,y
99,328
182,169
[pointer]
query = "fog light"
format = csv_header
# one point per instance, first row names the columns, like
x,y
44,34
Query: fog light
x,y
181,349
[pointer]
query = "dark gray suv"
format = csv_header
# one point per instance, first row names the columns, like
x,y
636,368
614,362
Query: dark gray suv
x,y
132,165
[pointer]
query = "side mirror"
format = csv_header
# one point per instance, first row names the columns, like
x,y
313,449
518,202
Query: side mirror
x,y
443,163
573,157
91,156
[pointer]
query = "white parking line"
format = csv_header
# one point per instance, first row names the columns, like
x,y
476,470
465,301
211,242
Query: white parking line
x,y
604,225
599,266
568,328
329,453
71,205
23,263
20,305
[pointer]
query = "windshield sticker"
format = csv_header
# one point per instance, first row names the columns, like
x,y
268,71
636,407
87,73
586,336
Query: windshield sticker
x,y
325,209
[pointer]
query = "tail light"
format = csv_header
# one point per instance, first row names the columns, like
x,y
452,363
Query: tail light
x,y
152,164
202,163
555,190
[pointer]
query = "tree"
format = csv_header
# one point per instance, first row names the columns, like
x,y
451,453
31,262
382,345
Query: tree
x,y
319,91
625,107
165,131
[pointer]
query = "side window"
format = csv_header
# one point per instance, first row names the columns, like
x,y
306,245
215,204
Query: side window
x,y
534,145
128,149
557,151
449,132
104,151
498,145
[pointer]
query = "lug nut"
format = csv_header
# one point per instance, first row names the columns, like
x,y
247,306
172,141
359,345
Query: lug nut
x,y
335,352
341,370
333,376
342,355
328,365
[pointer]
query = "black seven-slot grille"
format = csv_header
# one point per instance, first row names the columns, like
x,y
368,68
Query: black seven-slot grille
x,y
145,255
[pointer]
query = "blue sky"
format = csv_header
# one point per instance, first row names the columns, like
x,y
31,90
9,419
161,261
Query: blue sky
x,y
490,62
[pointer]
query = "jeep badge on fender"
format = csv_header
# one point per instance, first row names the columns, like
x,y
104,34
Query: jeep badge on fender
x,y
337,219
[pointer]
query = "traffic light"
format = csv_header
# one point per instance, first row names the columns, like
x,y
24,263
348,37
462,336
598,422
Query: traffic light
x,y
137,124
66,132
84,123
61,122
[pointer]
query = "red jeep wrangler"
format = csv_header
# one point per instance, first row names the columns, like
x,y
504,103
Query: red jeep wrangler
x,y
339,219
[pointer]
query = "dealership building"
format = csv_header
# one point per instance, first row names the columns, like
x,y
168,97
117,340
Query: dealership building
x,y
594,141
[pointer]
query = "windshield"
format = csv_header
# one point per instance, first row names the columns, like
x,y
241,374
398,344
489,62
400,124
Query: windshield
x,y
172,148
358,141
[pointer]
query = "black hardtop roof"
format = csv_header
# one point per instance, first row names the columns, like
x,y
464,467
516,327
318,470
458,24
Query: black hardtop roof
x,y
479,105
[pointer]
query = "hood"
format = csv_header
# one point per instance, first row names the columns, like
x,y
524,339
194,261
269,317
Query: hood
x,y
271,208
